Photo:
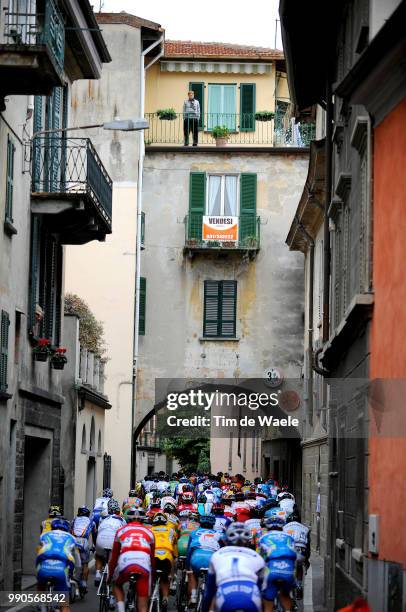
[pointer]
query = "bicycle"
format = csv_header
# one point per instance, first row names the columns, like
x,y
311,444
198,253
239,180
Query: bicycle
x,y
182,582
130,600
104,590
155,601
201,585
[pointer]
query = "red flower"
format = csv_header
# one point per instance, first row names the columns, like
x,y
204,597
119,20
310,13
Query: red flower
x,y
61,351
43,342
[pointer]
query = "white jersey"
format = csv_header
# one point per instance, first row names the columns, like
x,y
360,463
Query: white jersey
x,y
168,499
162,485
107,530
101,503
299,533
81,527
287,505
233,563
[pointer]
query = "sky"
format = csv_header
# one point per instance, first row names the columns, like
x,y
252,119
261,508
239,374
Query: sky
x,y
233,21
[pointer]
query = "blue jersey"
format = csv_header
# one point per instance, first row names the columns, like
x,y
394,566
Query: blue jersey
x,y
57,545
222,522
275,545
203,539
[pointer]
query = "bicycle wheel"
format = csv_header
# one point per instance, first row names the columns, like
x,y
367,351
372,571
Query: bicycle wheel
x,y
103,604
181,593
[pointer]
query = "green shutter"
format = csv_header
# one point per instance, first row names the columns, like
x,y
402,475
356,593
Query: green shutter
x,y
220,309
197,202
10,179
143,304
248,206
55,140
198,88
247,107
36,147
4,325
211,309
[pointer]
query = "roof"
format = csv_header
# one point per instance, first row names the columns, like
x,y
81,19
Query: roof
x,y
190,48
127,18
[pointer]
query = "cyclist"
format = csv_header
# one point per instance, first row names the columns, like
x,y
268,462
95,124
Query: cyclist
x,y
56,559
201,503
151,495
186,502
53,513
189,521
222,521
278,550
170,511
133,499
108,527
241,508
287,503
82,528
301,537
100,505
203,542
133,553
154,506
168,499
235,574
165,551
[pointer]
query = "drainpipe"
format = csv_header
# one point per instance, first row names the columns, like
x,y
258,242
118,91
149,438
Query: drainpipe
x,y
326,232
141,155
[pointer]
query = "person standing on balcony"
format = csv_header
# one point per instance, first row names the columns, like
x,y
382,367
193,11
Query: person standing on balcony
x,y
191,118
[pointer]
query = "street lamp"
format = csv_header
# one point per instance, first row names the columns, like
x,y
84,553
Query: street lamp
x,y
124,125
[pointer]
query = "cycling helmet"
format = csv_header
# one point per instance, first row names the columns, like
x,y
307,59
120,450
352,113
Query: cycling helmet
x,y
284,495
159,519
169,508
155,503
132,514
113,507
202,499
184,514
107,493
217,508
153,488
83,511
293,516
183,479
55,511
61,523
238,534
132,493
274,522
207,520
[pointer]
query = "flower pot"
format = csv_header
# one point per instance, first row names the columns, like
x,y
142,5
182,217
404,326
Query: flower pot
x,y
41,356
57,365
221,141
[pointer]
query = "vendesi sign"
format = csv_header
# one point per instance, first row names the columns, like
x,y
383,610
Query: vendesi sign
x,y
220,229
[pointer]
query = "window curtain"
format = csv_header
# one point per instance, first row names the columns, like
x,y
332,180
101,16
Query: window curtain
x,y
230,196
214,203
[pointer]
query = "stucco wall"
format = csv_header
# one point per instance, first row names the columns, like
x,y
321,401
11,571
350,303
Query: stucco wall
x,y
269,294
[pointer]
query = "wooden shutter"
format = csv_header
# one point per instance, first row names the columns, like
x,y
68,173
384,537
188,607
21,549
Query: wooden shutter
x,y
198,88
211,309
51,288
228,309
220,307
55,140
197,202
248,206
10,179
36,146
4,325
247,107
143,304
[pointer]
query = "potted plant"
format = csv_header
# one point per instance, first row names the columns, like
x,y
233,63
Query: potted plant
x,y
166,114
42,349
58,359
221,134
264,115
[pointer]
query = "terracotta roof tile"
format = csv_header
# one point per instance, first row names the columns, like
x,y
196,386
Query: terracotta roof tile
x,y
192,49
131,20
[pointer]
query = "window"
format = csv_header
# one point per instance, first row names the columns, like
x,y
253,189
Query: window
x,y
83,448
198,88
143,303
45,283
4,327
247,107
220,307
10,180
222,106
222,195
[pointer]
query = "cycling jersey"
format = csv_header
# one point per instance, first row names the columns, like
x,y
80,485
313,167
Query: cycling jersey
x,y
47,524
300,535
186,528
277,511
222,522
167,499
107,531
191,507
82,528
165,542
202,544
133,552
131,501
55,559
279,552
100,509
287,505
242,511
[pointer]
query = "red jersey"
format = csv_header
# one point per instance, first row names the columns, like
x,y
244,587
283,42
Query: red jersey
x,y
191,507
132,542
242,511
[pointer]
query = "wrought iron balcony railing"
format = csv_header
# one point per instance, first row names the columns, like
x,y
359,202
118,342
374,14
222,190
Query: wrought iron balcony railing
x,y
248,234
25,26
71,168
244,129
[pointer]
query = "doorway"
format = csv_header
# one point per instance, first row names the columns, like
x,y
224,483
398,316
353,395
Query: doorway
x,y
37,490
91,482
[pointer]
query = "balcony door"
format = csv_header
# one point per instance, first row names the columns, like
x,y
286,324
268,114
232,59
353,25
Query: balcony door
x,y
222,195
222,106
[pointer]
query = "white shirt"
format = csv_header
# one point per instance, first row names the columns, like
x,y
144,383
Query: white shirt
x,y
299,533
287,505
80,525
107,530
236,563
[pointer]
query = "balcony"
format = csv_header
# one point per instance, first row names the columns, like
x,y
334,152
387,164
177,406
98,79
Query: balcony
x,y
32,48
70,183
245,131
248,236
